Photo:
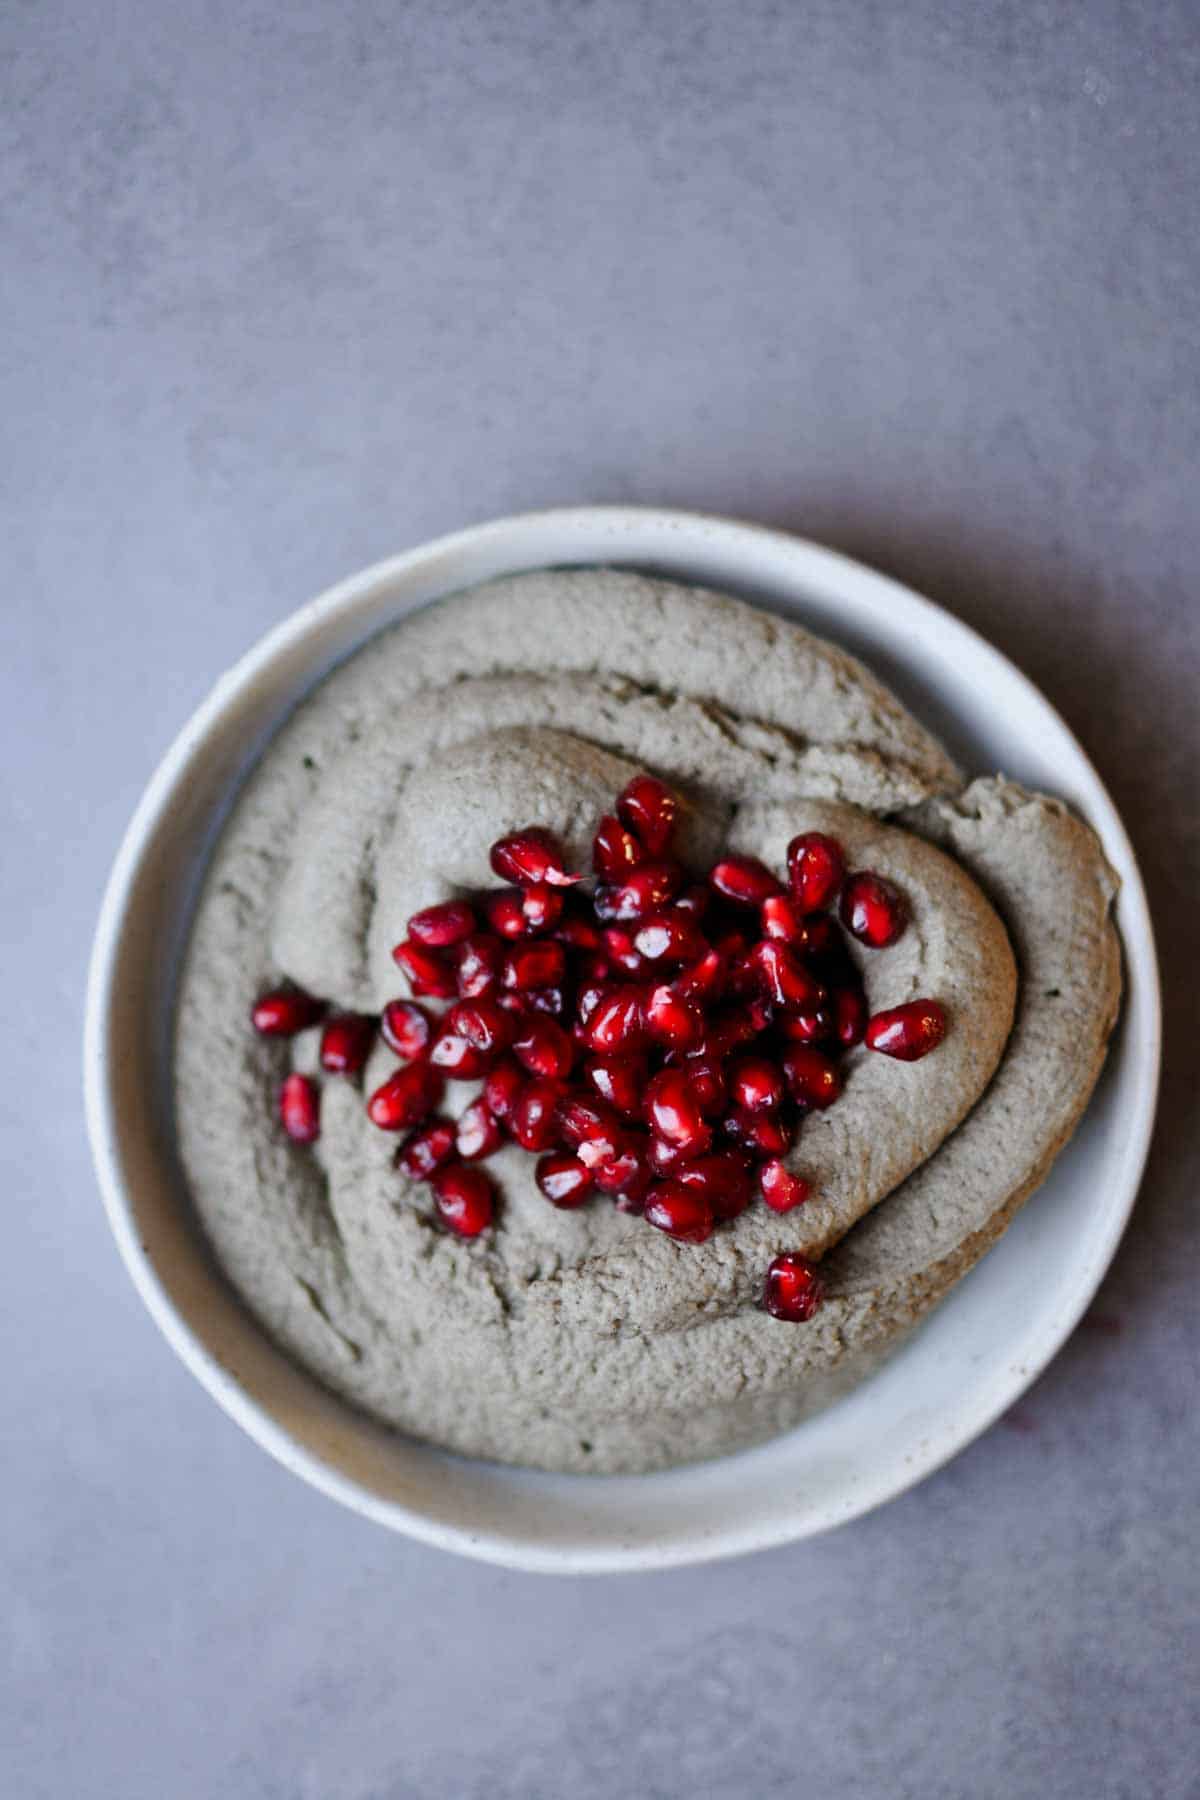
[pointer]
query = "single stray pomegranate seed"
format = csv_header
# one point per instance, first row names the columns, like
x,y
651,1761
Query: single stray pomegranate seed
x,y
564,1180
478,1133
534,965
406,1028
614,850
437,927
427,1149
300,1109
811,1077
650,810
544,1048
682,1212
744,880
793,1288
478,965
465,1199
908,1032
530,857
285,1011
872,910
756,1084
346,1043
816,868
781,1188
405,1098
428,971
502,1087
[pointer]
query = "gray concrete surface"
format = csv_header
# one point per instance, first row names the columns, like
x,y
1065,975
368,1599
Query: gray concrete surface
x,y
287,287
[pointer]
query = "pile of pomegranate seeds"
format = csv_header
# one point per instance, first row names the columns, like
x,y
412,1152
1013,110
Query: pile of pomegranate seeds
x,y
649,1037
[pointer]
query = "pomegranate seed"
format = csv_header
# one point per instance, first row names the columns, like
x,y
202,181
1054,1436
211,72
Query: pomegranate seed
x,y
427,1149
781,1189
406,1028
428,970
589,997
682,1212
505,913
533,1118
579,934
621,951
849,1016
762,1134
784,977
285,1011
614,850
478,1132
544,1048
437,927
670,937
346,1043
478,969
300,1109
756,1084
908,1032
793,1289
502,1086
723,1179
602,1147
616,1022
539,965
457,1057
650,810
619,1080
626,1174
704,980
530,858
694,900
872,910
645,890
552,1001
483,1023
542,906
672,1020
406,1098
816,869
812,1025
728,1031
674,1112
465,1199
744,880
664,1158
708,1083
782,918
812,1079
580,1118
564,1181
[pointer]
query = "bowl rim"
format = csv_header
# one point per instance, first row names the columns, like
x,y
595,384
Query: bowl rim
x,y
641,536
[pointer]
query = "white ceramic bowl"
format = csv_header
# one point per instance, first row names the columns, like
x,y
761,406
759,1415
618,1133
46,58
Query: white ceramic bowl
x,y
969,1362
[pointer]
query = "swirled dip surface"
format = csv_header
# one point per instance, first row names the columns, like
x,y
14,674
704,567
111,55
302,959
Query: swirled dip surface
x,y
586,1340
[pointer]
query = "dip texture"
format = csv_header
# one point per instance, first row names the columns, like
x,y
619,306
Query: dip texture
x,y
586,1340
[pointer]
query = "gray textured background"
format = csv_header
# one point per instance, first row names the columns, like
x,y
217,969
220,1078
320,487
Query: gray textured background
x,y
288,287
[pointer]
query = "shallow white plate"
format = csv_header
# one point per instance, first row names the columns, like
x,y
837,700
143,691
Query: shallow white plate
x,y
972,1359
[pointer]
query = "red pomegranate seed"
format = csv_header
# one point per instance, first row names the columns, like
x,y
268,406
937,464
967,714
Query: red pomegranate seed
x,y
650,810
723,1179
785,979
709,1085
427,1149
285,1011
618,1079
615,851
672,1020
483,1022
534,965
704,980
626,1174
300,1109
694,900
664,1158
812,1079
602,1147
531,857
552,1001
564,1181
437,927
457,1057
762,1134
674,1112
849,1016
478,966
542,906
872,910
670,937
793,1288
544,1048
346,1043
781,1188
908,1032
782,918
816,869
616,1023
812,1025
428,971
406,1028
682,1212
579,934
502,1086
728,1031
405,1098
644,891
478,1132
505,914
533,1118
580,1117
465,1199
621,951
756,1084
744,880
588,999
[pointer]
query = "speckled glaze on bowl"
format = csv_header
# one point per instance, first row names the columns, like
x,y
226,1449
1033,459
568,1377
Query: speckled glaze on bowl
x,y
974,1356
